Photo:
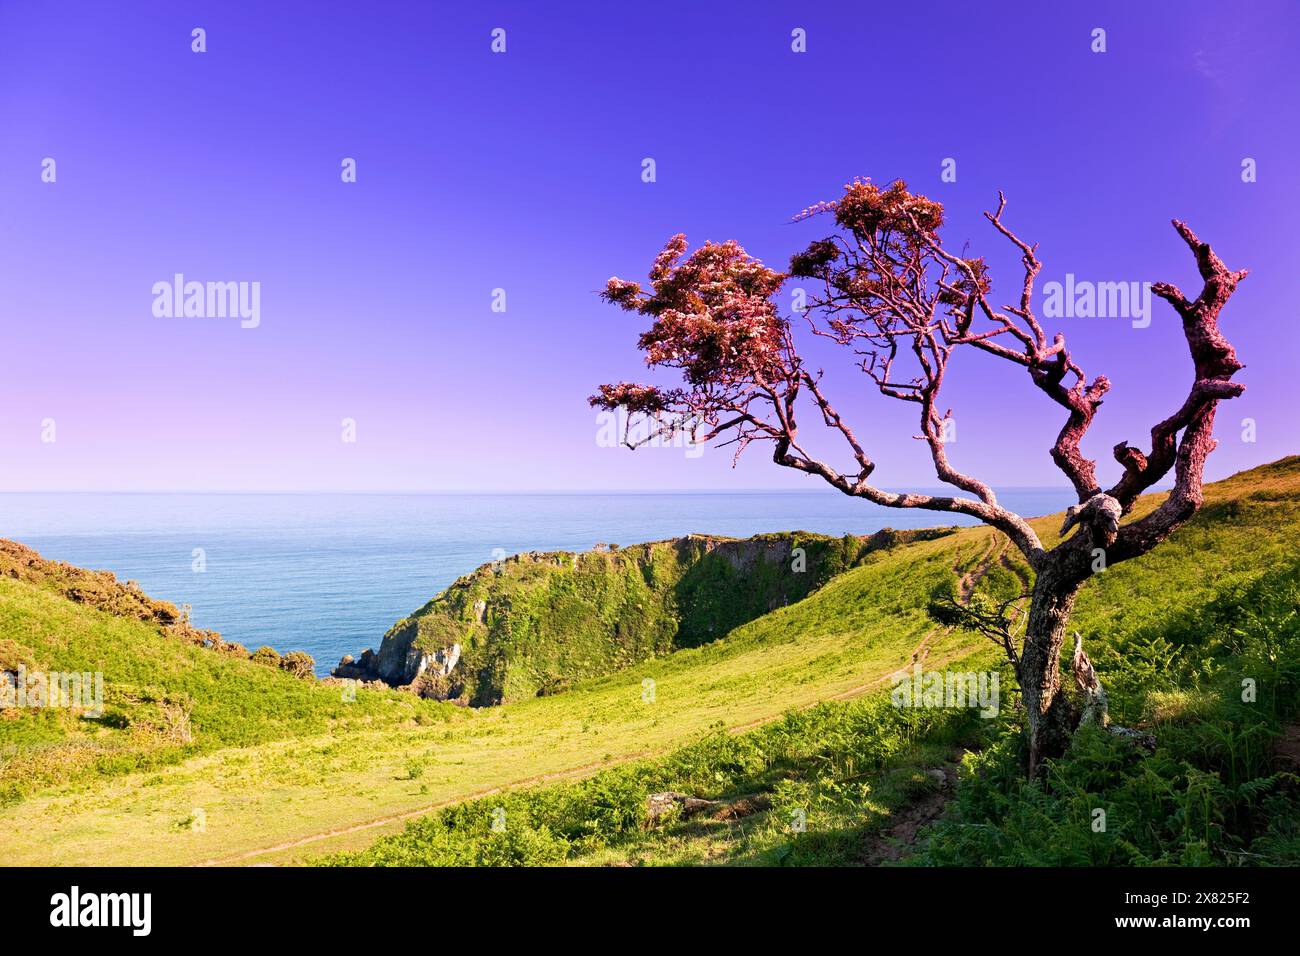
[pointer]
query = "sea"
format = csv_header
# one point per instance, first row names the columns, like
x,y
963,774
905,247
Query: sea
x,y
330,573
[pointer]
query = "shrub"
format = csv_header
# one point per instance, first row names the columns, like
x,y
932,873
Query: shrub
x,y
267,656
298,663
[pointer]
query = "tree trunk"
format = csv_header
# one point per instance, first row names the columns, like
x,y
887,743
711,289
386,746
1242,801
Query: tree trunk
x,y
1051,714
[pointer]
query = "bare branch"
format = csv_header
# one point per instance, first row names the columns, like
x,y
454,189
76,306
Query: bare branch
x,y
1215,362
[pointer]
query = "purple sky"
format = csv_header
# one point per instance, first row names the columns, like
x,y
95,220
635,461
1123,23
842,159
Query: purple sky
x,y
522,171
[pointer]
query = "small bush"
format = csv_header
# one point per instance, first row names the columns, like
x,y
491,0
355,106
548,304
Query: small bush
x,y
298,663
266,656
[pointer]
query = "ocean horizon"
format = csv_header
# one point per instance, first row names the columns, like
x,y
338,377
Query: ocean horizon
x,y
328,573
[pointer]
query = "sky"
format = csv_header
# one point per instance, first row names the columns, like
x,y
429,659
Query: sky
x,y
522,171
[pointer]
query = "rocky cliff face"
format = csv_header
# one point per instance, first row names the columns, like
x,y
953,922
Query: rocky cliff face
x,y
534,623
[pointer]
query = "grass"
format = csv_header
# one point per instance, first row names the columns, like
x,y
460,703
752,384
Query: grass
x,y
356,770
1213,792
269,771
1217,685
165,701
833,772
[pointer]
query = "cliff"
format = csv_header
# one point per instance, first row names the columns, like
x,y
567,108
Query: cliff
x,y
534,623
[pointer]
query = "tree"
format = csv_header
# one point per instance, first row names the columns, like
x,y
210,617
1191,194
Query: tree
x,y
890,292
299,664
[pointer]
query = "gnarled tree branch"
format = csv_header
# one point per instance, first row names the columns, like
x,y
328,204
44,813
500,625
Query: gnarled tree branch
x,y
1214,360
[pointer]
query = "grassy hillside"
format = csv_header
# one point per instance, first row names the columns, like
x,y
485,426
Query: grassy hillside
x,y
865,782
275,794
170,692
325,779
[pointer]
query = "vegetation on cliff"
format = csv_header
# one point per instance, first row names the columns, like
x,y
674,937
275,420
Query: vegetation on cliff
x,y
537,623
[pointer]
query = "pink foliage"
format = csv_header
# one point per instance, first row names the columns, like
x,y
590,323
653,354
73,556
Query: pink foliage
x,y
903,305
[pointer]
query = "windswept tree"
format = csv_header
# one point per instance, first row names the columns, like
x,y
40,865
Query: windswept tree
x,y
904,306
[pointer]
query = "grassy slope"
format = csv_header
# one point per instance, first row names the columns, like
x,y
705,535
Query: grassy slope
x,y
846,638
165,700
863,775
272,793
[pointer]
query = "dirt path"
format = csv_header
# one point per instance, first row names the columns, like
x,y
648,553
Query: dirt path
x,y
899,838
969,581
